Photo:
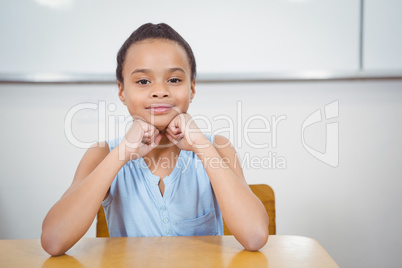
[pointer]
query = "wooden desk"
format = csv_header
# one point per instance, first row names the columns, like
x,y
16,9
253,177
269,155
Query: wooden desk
x,y
197,251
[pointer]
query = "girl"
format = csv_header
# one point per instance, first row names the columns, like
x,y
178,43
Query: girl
x,y
140,178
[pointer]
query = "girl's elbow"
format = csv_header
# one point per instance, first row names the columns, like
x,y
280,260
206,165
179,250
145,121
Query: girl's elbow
x,y
256,241
51,245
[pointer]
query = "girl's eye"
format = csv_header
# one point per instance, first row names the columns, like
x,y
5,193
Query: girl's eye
x,y
143,82
174,80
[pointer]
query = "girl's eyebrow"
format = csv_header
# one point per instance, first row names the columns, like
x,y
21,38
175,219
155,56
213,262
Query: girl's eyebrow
x,y
174,69
141,71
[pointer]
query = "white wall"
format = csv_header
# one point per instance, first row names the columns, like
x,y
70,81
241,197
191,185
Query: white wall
x,y
352,209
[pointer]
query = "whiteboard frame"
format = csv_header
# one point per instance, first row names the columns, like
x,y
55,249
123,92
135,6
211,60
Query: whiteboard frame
x,y
66,78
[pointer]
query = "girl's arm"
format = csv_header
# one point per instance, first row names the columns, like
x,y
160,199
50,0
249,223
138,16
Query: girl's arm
x,y
244,214
70,218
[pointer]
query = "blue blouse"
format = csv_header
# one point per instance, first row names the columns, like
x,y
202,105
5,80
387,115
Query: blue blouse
x,y
188,207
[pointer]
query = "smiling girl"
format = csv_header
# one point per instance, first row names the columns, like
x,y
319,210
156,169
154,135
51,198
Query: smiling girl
x,y
156,73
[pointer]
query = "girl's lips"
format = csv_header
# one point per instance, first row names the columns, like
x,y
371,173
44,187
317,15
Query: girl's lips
x,y
160,109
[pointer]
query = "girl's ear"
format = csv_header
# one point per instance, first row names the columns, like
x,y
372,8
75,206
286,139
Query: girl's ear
x,y
121,93
192,90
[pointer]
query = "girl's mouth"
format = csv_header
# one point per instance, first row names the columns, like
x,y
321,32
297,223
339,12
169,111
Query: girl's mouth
x,y
160,108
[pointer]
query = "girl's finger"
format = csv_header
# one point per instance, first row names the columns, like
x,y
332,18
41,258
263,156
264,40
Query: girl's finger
x,y
148,133
152,130
175,136
156,141
149,136
174,130
174,127
168,131
171,139
154,133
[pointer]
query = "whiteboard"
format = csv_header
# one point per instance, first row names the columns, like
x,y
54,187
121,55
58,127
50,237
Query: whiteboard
x,y
382,35
83,37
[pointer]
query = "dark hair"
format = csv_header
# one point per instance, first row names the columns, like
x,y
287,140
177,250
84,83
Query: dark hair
x,y
153,31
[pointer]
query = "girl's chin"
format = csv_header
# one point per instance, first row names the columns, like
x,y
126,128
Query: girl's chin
x,y
161,123
161,128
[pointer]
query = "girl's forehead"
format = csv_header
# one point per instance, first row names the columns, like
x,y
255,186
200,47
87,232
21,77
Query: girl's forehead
x,y
157,45
161,51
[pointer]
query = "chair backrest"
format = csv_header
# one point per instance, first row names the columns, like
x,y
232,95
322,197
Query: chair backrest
x,y
262,191
101,225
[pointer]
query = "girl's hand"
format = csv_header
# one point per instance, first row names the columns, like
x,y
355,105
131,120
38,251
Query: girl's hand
x,y
140,139
183,132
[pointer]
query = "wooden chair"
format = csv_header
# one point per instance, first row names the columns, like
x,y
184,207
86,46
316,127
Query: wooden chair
x,y
262,191
101,225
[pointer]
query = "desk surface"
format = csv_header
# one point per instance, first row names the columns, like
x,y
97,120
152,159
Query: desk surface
x,y
197,251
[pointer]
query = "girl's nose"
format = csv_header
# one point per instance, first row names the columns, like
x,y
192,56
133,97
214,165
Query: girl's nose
x,y
160,91
160,94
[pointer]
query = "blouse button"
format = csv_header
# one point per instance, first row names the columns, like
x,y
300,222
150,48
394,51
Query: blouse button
x,y
165,220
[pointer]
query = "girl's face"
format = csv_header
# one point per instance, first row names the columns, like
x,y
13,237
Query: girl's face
x,y
157,81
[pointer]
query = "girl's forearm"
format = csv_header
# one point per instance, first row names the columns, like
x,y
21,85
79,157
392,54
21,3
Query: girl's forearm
x,y
70,218
243,212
